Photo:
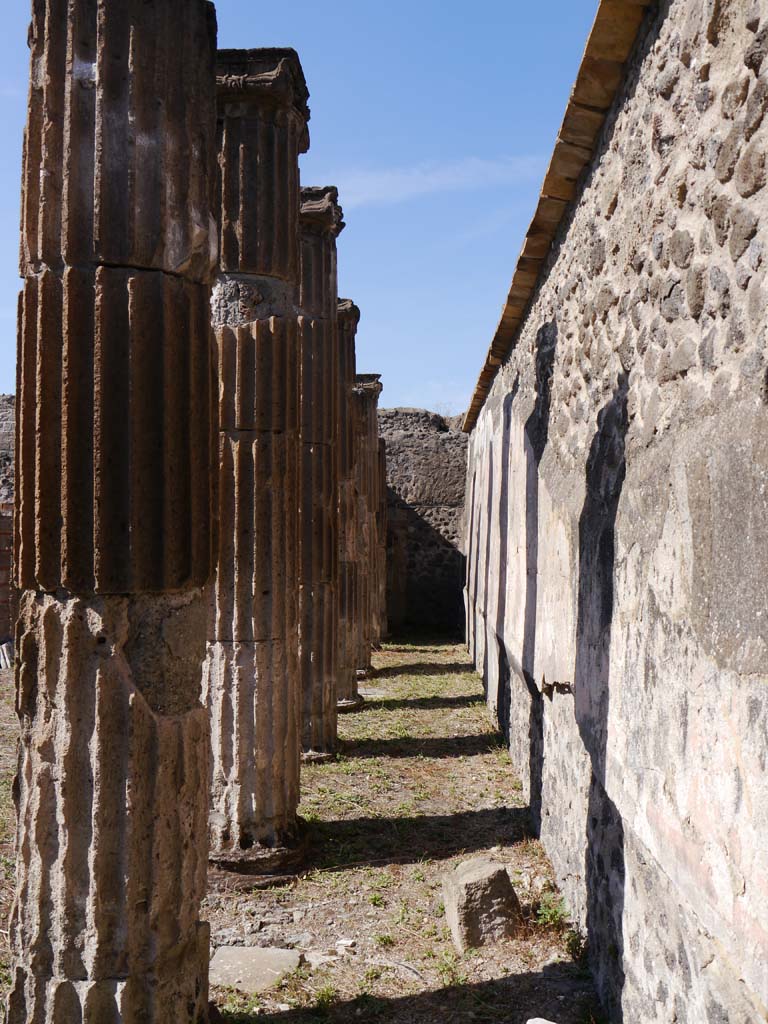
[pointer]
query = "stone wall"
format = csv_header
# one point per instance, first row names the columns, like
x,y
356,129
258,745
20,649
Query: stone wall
x,y
618,531
7,470
426,470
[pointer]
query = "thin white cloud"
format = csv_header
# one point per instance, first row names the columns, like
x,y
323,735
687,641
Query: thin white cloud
x,y
11,92
388,186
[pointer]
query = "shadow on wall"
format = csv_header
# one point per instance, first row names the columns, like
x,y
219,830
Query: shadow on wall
x,y
604,868
536,435
605,473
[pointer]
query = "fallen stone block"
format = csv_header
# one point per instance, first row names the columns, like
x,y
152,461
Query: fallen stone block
x,y
252,969
481,905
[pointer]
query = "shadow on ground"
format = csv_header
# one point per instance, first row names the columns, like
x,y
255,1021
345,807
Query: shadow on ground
x,y
420,703
424,746
423,668
558,992
425,644
406,840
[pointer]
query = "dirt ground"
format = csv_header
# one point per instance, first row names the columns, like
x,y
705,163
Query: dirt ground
x,y
423,782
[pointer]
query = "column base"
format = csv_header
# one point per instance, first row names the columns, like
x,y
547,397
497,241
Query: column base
x,y
317,757
179,997
284,858
350,704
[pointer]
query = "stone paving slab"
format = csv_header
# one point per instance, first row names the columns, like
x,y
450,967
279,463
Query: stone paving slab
x,y
252,969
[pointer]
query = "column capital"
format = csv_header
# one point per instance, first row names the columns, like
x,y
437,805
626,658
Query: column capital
x,y
368,385
269,76
348,313
320,209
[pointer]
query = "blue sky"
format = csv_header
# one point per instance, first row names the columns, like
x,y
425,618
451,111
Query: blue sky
x,y
435,120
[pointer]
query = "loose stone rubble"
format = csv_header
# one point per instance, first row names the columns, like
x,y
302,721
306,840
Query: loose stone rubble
x,y
252,969
113,514
481,905
251,676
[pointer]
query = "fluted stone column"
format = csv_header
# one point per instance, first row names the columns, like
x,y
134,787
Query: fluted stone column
x,y
346,671
321,223
365,403
251,680
113,514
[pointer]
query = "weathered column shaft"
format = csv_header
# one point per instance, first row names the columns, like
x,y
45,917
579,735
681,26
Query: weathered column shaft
x,y
365,401
346,671
321,223
251,678
113,513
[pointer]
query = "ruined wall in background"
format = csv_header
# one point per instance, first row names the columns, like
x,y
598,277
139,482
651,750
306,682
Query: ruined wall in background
x,y
426,471
618,532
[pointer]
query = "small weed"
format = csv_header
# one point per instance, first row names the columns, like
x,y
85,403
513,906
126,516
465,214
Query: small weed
x,y
376,900
448,969
403,913
238,1007
590,1017
576,944
326,997
552,912
384,940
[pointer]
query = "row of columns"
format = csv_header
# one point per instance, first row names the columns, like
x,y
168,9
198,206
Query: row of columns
x,y
199,512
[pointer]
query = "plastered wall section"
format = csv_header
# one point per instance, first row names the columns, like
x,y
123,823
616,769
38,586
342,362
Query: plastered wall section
x,y
617,532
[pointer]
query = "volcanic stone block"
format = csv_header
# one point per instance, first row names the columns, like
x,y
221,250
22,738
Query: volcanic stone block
x,y
255,752
258,516
117,165
113,825
319,558
319,381
113,513
322,221
263,115
113,471
481,905
258,374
